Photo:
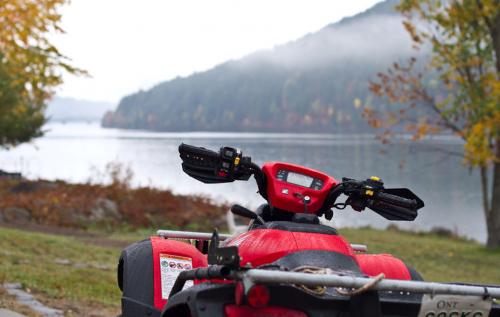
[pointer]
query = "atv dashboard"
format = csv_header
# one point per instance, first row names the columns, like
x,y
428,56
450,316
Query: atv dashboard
x,y
296,188
299,179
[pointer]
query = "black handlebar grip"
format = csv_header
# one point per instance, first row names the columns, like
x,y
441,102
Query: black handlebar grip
x,y
392,212
185,149
198,157
396,200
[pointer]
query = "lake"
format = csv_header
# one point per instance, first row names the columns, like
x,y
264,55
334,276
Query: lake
x,y
77,152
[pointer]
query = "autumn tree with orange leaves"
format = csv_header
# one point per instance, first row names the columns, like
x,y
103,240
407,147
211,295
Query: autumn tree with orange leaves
x,y
30,66
458,90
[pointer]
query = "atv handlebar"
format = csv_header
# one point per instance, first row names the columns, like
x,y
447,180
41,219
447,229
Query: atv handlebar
x,y
209,166
229,165
199,152
390,203
392,212
199,163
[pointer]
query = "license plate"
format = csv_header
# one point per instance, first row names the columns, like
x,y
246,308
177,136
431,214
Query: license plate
x,y
454,306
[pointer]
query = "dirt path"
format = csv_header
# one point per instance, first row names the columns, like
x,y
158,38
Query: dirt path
x,y
12,306
26,299
9,304
9,313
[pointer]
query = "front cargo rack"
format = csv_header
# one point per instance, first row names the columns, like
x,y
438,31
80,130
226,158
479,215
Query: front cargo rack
x,y
205,236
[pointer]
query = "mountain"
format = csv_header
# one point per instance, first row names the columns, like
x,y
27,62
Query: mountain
x,y
314,84
70,109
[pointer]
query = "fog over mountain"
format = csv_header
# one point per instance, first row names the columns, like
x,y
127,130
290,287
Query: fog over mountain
x,y
70,109
308,85
372,38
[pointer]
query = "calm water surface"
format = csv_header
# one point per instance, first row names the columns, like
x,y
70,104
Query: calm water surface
x,y
78,151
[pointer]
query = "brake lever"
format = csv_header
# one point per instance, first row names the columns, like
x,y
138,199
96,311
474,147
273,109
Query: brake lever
x,y
358,192
357,202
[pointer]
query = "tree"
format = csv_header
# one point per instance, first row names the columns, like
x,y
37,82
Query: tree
x,y
458,93
30,66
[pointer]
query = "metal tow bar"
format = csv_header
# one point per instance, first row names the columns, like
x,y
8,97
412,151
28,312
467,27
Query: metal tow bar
x,y
257,276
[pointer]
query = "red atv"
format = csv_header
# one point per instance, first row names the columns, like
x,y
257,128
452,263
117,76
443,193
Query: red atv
x,y
287,263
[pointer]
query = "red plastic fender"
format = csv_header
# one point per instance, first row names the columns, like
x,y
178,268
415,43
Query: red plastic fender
x,y
179,252
262,246
374,264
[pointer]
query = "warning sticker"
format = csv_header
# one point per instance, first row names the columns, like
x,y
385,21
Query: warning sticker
x,y
170,267
454,306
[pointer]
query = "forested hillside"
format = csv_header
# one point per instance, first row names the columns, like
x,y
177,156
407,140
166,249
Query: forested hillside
x,y
314,84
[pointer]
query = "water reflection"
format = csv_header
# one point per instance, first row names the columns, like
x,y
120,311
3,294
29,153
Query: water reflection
x,y
450,190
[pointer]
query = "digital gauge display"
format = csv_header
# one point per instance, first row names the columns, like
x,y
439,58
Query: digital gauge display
x,y
299,179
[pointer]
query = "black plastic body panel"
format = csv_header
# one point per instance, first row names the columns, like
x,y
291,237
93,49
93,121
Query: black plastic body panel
x,y
133,308
288,221
297,227
337,262
135,278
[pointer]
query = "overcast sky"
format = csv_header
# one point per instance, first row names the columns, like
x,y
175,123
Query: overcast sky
x,y
128,45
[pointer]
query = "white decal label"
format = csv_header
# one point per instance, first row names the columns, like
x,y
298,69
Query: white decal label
x,y
454,306
170,267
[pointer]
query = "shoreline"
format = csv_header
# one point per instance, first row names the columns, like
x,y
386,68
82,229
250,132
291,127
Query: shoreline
x,y
59,207
104,207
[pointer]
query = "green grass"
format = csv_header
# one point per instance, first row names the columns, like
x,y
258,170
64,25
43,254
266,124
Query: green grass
x,y
133,235
29,258
437,258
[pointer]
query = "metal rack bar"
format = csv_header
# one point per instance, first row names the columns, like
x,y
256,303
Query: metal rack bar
x,y
256,276
190,235
359,247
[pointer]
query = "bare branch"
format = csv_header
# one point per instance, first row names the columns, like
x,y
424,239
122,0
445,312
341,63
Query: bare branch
x,y
485,18
446,121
